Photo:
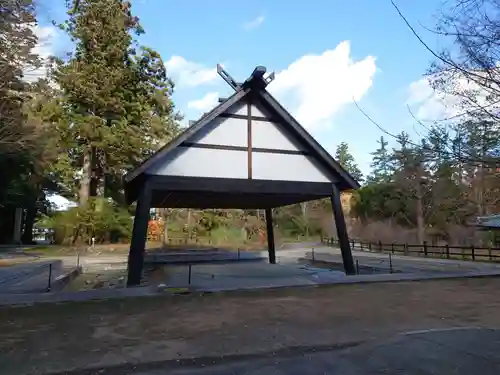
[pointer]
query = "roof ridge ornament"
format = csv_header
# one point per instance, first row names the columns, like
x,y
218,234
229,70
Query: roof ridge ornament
x,y
257,79
227,77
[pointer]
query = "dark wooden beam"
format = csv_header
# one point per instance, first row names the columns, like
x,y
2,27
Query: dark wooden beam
x,y
244,117
270,236
243,148
249,138
211,185
197,200
345,246
139,236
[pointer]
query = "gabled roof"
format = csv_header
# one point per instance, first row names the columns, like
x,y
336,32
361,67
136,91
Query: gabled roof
x,y
187,133
254,87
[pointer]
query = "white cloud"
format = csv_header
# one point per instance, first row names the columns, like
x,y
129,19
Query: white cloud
x,y
188,73
45,48
428,104
206,103
255,23
316,87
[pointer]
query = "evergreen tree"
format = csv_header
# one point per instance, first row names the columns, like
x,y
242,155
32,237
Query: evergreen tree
x,y
16,43
344,157
412,179
477,146
18,135
116,96
382,168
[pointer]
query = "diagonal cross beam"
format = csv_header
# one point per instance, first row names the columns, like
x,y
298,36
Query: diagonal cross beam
x,y
257,78
226,77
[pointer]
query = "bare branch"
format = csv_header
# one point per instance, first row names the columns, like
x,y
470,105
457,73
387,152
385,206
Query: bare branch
x,y
458,156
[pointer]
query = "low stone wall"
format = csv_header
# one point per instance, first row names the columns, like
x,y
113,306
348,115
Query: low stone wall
x,y
61,281
201,257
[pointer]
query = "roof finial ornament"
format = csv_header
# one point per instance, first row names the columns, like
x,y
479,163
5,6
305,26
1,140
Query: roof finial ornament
x,y
256,79
270,78
226,77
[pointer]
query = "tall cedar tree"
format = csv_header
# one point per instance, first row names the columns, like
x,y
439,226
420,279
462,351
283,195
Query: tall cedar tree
x,y
412,178
16,43
47,171
116,96
381,164
479,139
18,136
344,157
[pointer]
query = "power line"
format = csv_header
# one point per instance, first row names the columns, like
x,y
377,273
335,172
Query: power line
x,y
423,146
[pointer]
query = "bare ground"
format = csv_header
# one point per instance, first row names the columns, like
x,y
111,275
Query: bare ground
x,y
62,337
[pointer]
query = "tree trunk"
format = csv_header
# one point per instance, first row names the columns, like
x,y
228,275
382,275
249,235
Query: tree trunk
x,y
96,185
420,215
481,191
27,237
420,222
84,192
165,226
303,207
189,223
18,222
7,224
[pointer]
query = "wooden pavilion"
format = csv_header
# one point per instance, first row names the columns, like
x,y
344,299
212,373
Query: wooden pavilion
x,y
246,153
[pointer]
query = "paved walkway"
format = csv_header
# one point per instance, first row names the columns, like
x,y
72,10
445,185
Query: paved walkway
x,y
30,277
401,263
212,277
457,352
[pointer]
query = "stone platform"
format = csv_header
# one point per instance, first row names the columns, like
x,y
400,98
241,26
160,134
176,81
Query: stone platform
x,y
203,256
32,277
211,277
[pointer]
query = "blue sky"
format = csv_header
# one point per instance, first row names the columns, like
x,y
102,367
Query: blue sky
x,y
324,53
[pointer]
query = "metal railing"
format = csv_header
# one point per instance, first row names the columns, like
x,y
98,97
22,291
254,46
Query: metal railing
x,y
433,251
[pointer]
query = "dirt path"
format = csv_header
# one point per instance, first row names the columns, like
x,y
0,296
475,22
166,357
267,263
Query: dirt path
x,y
61,337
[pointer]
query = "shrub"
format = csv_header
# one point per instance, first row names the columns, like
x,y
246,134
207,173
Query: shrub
x,y
102,219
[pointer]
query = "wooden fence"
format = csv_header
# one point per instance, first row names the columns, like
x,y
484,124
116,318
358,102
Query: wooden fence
x,y
426,250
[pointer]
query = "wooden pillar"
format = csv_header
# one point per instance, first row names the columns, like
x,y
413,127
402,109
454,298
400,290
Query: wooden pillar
x,y
139,236
249,137
345,246
270,236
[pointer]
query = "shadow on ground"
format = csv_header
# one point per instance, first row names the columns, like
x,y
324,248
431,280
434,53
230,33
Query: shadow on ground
x,y
452,351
